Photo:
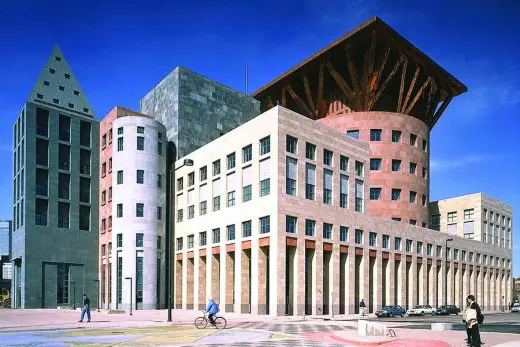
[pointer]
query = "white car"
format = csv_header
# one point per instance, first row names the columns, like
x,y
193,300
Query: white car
x,y
420,310
516,307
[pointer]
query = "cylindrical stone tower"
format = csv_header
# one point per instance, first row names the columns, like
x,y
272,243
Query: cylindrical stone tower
x,y
138,209
399,168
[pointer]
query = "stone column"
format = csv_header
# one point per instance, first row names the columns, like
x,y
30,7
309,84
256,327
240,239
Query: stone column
x,y
262,279
178,284
229,282
378,282
202,297
413,278
365,278
190,287
245,278
391,283
317,300
215,278
350,285
402,288
426,282
433,298
334,276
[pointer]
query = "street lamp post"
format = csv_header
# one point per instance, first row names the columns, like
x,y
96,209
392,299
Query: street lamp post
x,y
74,295
446,273
98,296
171,219
131,299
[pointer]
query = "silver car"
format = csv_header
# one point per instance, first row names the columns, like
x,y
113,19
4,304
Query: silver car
x,y
516,308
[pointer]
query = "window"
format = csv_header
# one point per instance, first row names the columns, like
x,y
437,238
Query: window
x,y
327,231
67,76
397,243
468,228
110,136
84,189
310,227
396,219
140,177
463,255
63,216
85,134
455,254
435,221
408,245
438,251
191,212
140,130
327,186
216,235
64,157
265,145
265,187
413,222
120,177
290,224
52,71
119,144
396,136
103,197
343,234
468,214
327,157
424,200
202,238
231,161
139,240
419,247
359,168
386,241
375,193
216,203
159,212
247,193
109,164
413,167
159,181
42,152
191,241
231,199
396,165
159,147
353,133
343,191
359,196
230,232
216,167
291,144
246,228
119,210
396,194
375,164
61,88
120,131
64,131
429,247
413,139
203,208
375,134
180,183
247,154
424,172
413,196
372,239
310,181
343,163
424,145
191,179
452,217
291,176
180,243
76,93
139,209
180,215
265,225
310,151
358,236
119,241
140,143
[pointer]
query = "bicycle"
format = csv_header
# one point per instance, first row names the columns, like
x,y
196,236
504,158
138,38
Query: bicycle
x,y
202,322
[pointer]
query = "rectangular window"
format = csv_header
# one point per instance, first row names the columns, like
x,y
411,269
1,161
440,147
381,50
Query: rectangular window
x,y
62,287
452,217
375,193
375,134
64,131
424,172
191,179
413,196
42,182
413,139
139,209
246,228
231,161
265,145
310,227
159,147
85,134
353,133
265,187
140,130
191,241
140,143
343,234
139,240
343,163
469,214
202,238
424,145
372,239
408,246
159,212
413,222
140,177
180,215
230,232
203,208
203,173
359,168
424,202
247,193
63,215
396,165
396,136
216,235
310,151
290,224
375,164
180,243
42,122
419,247
180,183
386,241
397,243
247,154
84,189
191,212
216,203
413,167
64,157
343,191
291,176
119,144
310,181
84,218
327,231
265,225
327,186
159,181
327,157
359,196
291,144
42,152
396,194
120,177
216,167
231,199
358,236
429,248
438,251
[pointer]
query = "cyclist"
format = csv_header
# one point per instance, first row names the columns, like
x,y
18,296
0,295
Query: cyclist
x,y
212,310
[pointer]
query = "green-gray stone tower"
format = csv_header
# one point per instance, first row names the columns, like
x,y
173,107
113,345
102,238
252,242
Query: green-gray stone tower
x,y
55,193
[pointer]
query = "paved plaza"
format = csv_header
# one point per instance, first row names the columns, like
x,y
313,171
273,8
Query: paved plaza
x,y
149,328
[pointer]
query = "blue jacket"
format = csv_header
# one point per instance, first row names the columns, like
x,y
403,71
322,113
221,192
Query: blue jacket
x,y
212,307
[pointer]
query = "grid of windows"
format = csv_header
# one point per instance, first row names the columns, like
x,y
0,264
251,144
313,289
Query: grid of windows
x,y
231,199
469,214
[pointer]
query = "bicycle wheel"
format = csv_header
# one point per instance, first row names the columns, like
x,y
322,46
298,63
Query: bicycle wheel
x,y
220,323
201,322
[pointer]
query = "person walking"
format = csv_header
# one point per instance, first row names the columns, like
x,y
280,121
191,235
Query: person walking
x,y
212,310
86,308
468,330
473,317
362,307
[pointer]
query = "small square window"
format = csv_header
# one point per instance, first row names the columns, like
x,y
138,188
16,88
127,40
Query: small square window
x,y
396,165
71,105
85,109
375,193
375,164
67,76
52,71
396,136
62,88
396,194
56,101
39,96
46,83
76,92
57,58
375,134
140,130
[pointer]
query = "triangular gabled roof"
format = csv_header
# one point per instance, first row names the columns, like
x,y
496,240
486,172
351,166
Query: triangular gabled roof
x,y
58,87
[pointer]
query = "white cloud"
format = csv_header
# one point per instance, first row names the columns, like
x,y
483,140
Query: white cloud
x,y
450,164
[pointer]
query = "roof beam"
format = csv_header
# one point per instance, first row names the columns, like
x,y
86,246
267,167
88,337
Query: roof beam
x,y
352,71
441,109
385,83
319,102
340,81
410,89
284,98
401,89
418,95
308,93
298,100
379,73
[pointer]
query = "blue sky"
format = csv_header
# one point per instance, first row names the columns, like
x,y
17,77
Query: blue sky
x,y
119,49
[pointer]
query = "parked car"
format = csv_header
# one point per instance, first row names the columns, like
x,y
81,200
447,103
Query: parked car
x,y
516,308
447,310
420,310
390,311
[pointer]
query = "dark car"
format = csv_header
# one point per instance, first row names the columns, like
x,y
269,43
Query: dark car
x,y
447,310
390,311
